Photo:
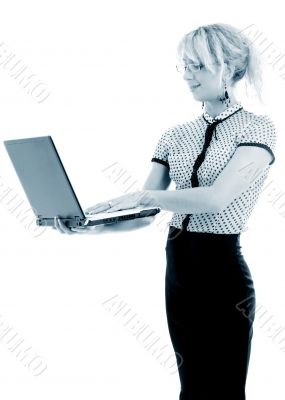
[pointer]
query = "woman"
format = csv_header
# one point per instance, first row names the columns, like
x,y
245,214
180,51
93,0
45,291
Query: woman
x,y
219,162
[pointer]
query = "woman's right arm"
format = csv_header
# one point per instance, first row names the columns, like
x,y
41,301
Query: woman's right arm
x,y
158,179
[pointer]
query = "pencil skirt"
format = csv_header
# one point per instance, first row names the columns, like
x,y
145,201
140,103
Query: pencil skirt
x,y
210,308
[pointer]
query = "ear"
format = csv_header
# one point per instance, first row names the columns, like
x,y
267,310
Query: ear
x,y
228,71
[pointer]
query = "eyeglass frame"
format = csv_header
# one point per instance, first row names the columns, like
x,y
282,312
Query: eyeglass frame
x,y
186,67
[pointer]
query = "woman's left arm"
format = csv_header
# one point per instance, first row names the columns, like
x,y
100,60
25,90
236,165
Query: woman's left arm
x,y
244,167
192,200
246,164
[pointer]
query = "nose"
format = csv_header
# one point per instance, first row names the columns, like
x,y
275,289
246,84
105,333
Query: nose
x,y
188,75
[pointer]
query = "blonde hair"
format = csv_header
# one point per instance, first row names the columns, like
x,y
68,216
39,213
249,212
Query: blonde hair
x,y
221,43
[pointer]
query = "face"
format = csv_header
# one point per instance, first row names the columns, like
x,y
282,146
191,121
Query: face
x,y
208,82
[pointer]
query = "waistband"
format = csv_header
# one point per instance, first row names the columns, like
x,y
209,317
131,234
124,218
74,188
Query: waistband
x,y
176,233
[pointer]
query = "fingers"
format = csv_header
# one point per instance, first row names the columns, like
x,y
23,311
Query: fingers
x,y
88,229
79,229
61,227
129,200
118,208
100,207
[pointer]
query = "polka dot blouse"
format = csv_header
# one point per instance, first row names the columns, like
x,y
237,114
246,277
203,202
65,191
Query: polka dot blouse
x,y
180,145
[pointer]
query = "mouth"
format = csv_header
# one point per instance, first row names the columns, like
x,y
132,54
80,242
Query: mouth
x,y
193,87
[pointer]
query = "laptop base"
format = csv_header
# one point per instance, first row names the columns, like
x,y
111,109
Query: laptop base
x,y
79,222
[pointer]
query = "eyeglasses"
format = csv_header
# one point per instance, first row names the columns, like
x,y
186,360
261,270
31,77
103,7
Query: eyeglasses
x,y
189,67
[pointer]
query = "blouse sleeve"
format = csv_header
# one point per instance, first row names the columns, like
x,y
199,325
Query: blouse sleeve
x,y
261,133
161,151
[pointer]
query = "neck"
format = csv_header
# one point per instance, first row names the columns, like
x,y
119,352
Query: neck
x,y
215,107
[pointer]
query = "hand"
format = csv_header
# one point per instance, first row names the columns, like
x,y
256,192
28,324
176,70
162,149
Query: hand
x,y
121,226
129,200
62,228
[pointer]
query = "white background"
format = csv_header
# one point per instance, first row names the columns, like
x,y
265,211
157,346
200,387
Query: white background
x,y
114,89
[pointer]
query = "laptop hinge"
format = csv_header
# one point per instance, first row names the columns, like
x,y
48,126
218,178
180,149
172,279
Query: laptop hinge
x,y
39,220
77,221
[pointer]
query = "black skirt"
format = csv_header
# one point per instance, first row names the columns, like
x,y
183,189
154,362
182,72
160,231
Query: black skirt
x,y
210,308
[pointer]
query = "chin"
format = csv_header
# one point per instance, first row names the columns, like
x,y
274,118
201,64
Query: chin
x,y
197,97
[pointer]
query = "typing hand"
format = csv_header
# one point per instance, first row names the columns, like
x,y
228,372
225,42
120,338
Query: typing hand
x,y
126,201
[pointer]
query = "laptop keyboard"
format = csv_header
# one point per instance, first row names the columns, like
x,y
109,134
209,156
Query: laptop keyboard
x,y
105,214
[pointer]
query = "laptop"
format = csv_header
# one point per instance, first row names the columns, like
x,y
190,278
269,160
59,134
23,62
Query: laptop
x,y
49,190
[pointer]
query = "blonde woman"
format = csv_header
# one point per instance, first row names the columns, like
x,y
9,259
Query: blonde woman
x,y
219,162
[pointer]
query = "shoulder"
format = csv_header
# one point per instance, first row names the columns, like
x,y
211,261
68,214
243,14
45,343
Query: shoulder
x,y
175,132
260,120
264,120
259,125
259,131
194,125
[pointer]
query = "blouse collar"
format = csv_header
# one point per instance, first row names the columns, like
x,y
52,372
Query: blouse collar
x,y
227,112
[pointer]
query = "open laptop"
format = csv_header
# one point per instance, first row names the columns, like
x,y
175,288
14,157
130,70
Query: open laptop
x,y
48,188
